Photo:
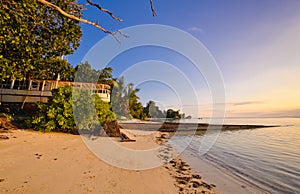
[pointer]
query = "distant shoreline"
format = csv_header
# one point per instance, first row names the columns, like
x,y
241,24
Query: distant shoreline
x,y
173,127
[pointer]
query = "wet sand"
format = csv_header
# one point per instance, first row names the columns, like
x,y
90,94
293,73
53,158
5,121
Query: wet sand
x,y
227,183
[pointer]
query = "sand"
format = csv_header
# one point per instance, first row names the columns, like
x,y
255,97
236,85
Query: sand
x,y
186,180
33,162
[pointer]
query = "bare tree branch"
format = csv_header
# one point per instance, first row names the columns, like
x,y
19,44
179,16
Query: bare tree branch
x,y
95,24
77,4
104,10
114,34
152,8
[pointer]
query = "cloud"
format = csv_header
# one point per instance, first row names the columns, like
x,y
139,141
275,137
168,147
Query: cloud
x,y
288,113
195,29
246,103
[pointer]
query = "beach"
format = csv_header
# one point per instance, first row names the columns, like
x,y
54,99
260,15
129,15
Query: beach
x,y
35,162
150,97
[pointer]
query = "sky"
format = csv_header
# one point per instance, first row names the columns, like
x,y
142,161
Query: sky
x,y
255,44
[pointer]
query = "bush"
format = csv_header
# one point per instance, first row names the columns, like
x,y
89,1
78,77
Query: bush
x,y
58,114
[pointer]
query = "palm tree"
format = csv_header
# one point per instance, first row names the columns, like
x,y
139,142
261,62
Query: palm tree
x,y
125,101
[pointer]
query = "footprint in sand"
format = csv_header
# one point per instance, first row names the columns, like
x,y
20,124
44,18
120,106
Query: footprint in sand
x,y
89,174
38,156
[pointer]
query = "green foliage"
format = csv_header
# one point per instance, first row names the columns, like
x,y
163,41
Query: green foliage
x,y
33,37
103,109
152,111
8,117
125,101
105,76
173,114
85,73
136,108
90,111
59,115
119,98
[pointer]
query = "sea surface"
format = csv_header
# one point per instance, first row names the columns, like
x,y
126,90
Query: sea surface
x,y
266,157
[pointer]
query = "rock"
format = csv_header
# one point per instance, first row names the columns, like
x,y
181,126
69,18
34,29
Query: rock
x,y
3,137
196,184
196,176
112,129
206,185
185,178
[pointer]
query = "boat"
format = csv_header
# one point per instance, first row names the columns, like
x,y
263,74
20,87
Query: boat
x,y
32,91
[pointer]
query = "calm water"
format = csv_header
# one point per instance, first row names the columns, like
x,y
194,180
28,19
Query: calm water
x,y
267,157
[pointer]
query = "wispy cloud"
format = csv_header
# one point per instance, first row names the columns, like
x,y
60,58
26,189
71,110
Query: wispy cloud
x,y
288,113
240,103
292,113
246,103
195,29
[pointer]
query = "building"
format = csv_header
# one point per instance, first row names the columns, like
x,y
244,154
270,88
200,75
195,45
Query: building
x,y
31,91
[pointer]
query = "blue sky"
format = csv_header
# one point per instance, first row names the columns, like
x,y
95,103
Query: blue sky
x,y
255,43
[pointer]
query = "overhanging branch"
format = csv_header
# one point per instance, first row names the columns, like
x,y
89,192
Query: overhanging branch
x,y
104,10
95,24
114,34
152,8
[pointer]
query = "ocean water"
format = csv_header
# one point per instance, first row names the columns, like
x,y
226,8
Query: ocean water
x,y
266,157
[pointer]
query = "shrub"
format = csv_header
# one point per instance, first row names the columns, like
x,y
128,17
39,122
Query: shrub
x,y
64,106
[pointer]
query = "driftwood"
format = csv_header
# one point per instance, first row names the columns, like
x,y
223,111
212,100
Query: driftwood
x,y
112,129
125,138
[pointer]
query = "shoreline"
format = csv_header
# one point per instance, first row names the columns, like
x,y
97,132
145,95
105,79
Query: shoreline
x,y
183,174
186,180
35,162
226,181
185,127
